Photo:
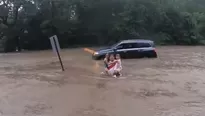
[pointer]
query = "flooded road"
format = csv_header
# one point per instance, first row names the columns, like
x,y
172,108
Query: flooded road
x,y
32,84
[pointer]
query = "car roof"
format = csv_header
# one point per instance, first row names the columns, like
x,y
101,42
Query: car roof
x,y
136,40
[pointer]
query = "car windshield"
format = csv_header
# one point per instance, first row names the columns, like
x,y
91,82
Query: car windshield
x,y
114,45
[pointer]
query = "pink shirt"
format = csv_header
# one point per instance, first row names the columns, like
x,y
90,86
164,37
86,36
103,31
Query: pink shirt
x,y
119,64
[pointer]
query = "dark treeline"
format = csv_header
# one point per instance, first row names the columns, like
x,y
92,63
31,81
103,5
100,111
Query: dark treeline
x,y
29,23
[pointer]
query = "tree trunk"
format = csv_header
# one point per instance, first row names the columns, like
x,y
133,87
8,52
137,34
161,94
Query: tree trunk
x,y
16,14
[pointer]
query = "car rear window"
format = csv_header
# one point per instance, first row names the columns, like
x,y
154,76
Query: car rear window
x,y
142,45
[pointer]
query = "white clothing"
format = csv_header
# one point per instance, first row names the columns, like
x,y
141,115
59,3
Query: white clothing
x,y
111,71
112,67
119,65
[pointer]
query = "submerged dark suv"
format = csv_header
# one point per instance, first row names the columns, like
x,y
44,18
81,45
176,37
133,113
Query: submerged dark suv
x,y
129,49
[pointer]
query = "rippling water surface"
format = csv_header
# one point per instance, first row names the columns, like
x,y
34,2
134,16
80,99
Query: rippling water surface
x,y
32,84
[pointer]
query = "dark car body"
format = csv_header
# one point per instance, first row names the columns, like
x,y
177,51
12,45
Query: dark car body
x,y
137,48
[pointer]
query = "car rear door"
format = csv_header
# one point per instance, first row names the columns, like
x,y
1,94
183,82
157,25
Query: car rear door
x,y
133,51
143,49
128,50
122,49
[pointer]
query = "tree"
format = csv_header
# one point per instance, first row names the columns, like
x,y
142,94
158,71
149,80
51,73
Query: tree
x,y
95,22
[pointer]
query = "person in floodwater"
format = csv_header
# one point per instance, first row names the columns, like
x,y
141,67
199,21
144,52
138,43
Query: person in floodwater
x,y
106,61
119,65
112,66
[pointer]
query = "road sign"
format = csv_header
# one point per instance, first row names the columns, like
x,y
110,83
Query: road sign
x,y
56,48
55,44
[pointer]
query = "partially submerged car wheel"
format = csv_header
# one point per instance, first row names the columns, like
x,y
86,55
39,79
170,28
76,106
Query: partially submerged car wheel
x,y
153,55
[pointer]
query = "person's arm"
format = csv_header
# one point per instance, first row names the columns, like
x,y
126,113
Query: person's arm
x,y
106,63
120,65
116,63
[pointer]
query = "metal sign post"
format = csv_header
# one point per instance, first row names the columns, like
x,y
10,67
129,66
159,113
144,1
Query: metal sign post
x,y
56,48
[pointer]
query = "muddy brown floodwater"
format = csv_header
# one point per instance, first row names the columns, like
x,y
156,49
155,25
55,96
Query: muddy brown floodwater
x,y
32,84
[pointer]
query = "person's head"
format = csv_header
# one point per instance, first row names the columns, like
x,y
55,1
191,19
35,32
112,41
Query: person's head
x,y
107,56
112,57
117,56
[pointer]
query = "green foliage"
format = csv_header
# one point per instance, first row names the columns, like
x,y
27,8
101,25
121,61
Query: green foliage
x,y
94,22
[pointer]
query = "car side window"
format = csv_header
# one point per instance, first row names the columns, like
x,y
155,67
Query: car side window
x,y
134,45
143,45
119,47
124,46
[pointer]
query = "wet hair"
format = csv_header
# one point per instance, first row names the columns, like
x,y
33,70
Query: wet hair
x,y
111,55
107,55
117,55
